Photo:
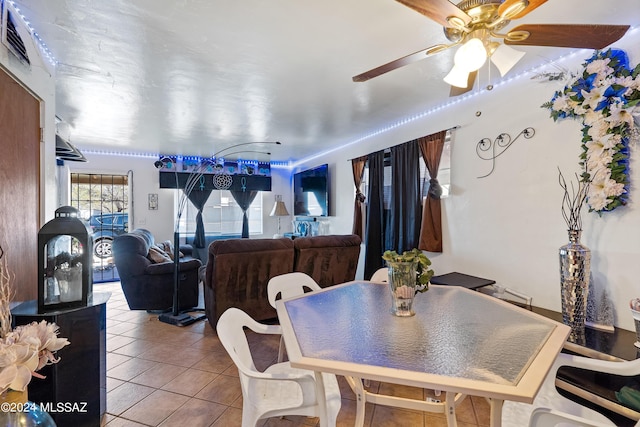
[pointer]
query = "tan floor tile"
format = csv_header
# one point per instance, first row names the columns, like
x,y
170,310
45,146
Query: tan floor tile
x,y
395,417
159,375
482,410
116,341
190,382
114,360
113,383
130,369
155,408
121,422
465,412
195,413
135,348
231,417
222,389
120,327
347,414
217,362
168,353
122,398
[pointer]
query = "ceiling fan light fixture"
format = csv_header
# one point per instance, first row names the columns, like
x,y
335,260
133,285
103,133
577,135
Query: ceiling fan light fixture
x,y
505,57
514,9
457,77
471,56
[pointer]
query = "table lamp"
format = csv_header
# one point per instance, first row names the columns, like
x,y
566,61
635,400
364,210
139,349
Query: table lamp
x,y
279,210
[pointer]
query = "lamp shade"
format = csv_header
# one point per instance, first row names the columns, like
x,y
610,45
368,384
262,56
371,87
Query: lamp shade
x,y
457,77
505,57
279,209
471,56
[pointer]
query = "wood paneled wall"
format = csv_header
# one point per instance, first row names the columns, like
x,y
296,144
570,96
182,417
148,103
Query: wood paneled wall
x,y
19,184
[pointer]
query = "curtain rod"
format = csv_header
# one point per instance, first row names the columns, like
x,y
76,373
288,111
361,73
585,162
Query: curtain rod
x,y
443,130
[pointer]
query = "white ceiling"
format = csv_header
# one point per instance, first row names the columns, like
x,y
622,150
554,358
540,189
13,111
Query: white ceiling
x,y
193,77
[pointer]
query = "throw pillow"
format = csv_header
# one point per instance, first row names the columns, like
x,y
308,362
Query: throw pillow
x,y
168,248
158,255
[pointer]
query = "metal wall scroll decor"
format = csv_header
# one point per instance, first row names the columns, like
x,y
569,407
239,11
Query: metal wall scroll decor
x,y
490,150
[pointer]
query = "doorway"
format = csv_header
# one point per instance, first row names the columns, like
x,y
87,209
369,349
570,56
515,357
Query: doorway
x,y
103,201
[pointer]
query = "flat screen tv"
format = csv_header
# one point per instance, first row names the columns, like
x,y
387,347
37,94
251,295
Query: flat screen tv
x,y
311,192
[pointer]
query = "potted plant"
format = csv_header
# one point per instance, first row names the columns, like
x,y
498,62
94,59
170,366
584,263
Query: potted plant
x,y
409,273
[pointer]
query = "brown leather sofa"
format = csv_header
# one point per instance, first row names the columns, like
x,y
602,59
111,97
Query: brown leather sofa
x,y
238,270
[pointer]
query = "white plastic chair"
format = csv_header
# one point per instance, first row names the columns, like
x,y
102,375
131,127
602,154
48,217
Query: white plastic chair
x,y
550,406
279,390
545,417
380,276
287,286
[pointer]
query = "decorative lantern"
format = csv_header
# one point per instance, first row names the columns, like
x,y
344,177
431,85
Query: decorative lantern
x,y
65,249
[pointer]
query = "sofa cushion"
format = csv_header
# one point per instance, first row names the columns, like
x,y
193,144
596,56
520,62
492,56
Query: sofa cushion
x,y
329,260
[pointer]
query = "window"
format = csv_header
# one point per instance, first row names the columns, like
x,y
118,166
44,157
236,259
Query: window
x,y
444,170
444,174
221,215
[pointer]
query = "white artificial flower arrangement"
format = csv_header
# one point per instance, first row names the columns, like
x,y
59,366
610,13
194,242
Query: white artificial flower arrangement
x,y
605,97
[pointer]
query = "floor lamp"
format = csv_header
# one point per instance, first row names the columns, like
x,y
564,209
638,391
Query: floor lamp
x,y
175,317
279,210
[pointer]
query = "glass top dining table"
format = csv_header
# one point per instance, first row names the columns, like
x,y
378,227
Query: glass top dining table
x,y
460,341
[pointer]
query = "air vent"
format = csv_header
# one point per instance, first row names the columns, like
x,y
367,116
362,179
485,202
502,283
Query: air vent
x,y
11,37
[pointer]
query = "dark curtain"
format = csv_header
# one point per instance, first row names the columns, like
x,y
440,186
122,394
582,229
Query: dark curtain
x,y
374,235
357,165
431,227
404,206
244,200
199,198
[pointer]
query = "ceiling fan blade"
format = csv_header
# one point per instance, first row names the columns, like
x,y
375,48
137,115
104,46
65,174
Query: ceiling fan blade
x,y
457,91
584,36
405,60
533,4
438,10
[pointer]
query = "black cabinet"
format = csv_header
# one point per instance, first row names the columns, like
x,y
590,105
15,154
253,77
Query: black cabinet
x,y
77,384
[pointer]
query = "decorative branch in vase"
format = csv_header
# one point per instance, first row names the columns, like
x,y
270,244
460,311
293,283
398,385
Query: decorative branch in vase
x,y
572,202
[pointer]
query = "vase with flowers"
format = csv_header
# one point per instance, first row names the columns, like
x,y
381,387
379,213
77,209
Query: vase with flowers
x,y
575,259
24,350
409,273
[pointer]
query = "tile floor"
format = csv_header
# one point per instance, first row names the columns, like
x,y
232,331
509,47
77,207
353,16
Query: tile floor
x,y
164,375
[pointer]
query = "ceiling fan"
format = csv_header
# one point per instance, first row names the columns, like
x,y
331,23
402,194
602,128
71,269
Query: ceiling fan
x,y
474,26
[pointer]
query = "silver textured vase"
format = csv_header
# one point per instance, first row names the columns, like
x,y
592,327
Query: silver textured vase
x,y
575,265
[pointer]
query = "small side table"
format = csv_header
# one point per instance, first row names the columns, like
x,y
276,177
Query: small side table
x,y
80,378
461,279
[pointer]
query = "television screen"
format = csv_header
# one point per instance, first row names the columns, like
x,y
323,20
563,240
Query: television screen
x,y
311,192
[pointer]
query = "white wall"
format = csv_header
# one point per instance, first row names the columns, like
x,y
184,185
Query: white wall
x,y
508,226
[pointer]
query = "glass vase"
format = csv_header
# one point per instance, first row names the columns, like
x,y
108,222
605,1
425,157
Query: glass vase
x,y
17,411
402,282
575,266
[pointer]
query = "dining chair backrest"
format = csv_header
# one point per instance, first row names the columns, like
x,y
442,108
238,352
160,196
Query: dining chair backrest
x,y
381,275
278,390
289,285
